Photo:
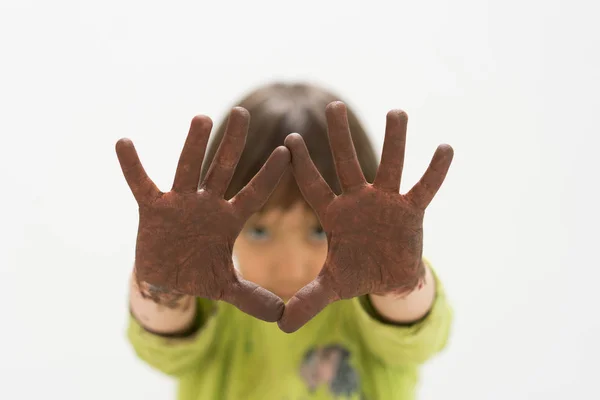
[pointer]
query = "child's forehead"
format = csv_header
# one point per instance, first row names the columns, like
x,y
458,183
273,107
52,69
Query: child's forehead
x,y
297,213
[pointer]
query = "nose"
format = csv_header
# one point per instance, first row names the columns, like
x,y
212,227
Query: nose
x,y
293,265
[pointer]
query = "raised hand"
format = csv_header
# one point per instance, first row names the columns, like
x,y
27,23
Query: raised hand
x,y
186,236
374,234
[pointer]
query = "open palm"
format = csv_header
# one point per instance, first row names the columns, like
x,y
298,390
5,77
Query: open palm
x,y
186,236
374,233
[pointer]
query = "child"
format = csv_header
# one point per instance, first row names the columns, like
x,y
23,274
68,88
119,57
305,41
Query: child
x,y
323,245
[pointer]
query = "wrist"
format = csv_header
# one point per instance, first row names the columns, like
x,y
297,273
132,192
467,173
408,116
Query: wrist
x,y
162,315
409,306
159,295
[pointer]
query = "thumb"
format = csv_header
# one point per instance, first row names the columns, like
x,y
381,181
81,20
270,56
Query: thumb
x,y
255,300
306,304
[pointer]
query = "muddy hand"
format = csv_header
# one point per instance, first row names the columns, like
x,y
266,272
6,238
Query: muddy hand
x,y
374,233
186,236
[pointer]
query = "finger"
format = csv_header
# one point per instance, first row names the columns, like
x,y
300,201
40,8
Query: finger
x,y
312,185
344,155
305,305
142,187
389,172
255,300
255,194
187,176
228,154
423,192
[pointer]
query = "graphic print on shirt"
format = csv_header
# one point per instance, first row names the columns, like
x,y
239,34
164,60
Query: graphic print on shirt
x,y
330,366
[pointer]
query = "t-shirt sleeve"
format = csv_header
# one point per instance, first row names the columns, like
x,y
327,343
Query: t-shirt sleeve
x,y
176,356
396,344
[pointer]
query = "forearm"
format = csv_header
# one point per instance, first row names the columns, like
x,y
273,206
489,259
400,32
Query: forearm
x,y
409,308
159,312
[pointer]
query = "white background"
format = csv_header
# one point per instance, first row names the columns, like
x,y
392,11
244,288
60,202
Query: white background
x,y
511,85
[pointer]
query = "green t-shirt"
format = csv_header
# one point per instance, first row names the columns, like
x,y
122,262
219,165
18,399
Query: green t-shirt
x,y
345,352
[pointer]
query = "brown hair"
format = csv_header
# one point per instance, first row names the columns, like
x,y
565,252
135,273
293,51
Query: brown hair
x,y
277,110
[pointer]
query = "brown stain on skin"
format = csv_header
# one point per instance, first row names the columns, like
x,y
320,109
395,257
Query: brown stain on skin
x,y
186,236
374,233
162,297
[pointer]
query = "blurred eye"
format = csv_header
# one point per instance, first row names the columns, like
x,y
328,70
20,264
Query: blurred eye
x,y
258,233
318,233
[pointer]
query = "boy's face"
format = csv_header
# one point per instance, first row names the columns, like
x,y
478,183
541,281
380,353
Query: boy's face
x,y
282,250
